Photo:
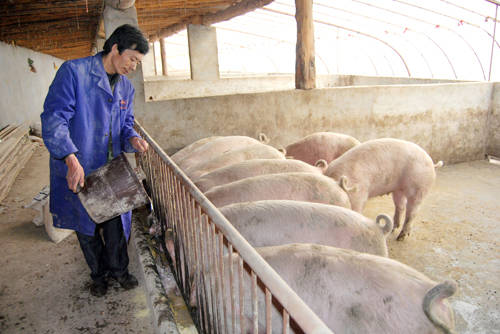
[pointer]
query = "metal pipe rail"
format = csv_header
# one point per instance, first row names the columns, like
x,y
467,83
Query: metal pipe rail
x,y
198,239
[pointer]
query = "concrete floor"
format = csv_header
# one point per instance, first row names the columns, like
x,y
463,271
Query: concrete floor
x,y
44,286
455,236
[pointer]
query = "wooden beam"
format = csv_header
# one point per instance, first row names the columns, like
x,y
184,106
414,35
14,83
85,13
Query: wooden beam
x,y
223,15
165,32
163,52
154,56
305,68
233,11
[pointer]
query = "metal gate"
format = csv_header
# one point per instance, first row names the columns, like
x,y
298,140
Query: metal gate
x,y
228,294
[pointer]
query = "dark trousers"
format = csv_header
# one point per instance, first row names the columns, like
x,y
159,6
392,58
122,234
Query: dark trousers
x,y
106,254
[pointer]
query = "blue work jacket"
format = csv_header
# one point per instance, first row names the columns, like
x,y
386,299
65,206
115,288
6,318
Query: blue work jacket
x,y
77,114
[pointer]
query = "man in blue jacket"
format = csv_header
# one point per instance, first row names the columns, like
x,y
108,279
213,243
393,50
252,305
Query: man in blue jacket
x,y
87,120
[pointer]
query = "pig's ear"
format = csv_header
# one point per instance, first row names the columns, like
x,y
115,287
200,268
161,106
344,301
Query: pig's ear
x,y
343,184
321,164
263,138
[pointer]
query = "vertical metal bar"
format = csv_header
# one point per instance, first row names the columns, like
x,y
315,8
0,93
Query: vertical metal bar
x,y
255,305
152,187
217,278
223,294
199,267
164,196
268,312
211,271
177,241
162,199
242,295
203,270
171,199
195,260
183,225
160,210
191,267
231,288
168,196
286,321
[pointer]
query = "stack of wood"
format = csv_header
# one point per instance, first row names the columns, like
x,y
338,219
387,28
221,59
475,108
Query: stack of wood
x,y
16,149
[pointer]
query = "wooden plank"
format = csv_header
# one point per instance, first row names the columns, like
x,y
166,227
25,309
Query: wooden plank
x,y
8,144
18,164
6,130
14,154
305,67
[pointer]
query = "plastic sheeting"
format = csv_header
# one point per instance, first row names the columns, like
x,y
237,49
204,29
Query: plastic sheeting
x,y
440,39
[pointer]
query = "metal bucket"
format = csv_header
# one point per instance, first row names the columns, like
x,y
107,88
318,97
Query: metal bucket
x,y
112,190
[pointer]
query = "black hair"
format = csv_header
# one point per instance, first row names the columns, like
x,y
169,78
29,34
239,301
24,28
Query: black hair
x,y
126,37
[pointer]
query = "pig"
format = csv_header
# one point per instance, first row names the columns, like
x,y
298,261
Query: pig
x,y
307,187
275,222
254,167
321,145
185,151
382,166
217,146
228,158
350,292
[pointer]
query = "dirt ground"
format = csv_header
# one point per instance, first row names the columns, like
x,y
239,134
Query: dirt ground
x,y
43,286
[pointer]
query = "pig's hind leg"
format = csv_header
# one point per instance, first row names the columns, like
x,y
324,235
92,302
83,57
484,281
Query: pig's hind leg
x,y
399,199
411,209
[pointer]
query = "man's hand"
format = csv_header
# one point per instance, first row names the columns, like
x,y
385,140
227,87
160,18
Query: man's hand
x,y
75,175
139,144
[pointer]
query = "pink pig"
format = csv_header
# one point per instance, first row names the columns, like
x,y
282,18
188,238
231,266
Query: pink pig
x,y
321,145
253,151
307,187
215,147
275,222
382,166
254,167
187,150
350,292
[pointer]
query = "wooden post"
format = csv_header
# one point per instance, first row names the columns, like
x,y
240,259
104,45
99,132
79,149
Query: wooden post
x,y
154,57
163,56
305,68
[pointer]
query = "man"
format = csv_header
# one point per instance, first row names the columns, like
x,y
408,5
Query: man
x,y
87,120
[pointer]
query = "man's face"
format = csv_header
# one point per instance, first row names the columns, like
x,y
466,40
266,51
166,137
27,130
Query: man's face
x,y
127,61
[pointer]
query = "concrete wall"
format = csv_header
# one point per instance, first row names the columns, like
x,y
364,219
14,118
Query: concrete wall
x,y
158,88
450,121
23,92
493,147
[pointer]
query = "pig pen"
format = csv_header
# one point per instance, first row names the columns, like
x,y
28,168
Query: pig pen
x,y
454,237
196,238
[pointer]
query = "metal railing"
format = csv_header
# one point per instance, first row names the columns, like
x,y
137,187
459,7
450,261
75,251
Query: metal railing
x,y
228,294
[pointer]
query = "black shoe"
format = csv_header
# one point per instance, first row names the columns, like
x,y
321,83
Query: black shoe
x,y
127,281
98,289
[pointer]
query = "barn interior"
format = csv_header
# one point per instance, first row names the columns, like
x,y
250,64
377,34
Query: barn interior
x,y
426,72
